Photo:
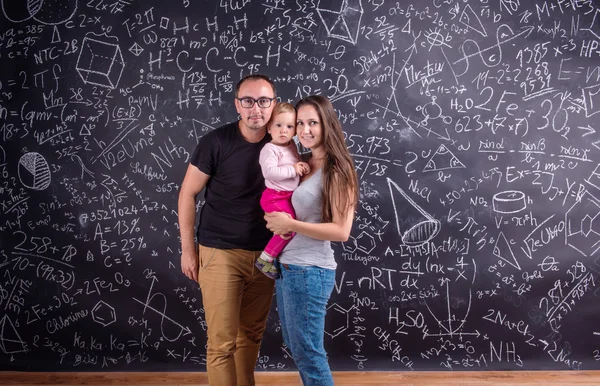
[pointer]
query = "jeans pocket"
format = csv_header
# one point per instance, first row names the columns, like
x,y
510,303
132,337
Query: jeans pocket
x,y
319,281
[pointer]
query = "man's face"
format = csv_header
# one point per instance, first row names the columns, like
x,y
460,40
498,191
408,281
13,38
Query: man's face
x,y
255,117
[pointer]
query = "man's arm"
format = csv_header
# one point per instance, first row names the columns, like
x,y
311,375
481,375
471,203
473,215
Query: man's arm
x,y
193,183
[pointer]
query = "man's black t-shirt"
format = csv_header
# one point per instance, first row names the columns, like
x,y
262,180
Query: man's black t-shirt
x,y
231,216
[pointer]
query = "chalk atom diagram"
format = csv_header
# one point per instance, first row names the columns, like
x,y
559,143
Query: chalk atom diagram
x,y
342,19
100,62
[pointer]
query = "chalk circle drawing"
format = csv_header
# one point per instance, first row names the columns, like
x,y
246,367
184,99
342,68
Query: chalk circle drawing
x,y
502,250
10,340
435,38
341,19
34,171
510,201
422,227
48,12
443,159
100,60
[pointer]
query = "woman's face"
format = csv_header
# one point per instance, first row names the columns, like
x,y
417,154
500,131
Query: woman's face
x,y
308,127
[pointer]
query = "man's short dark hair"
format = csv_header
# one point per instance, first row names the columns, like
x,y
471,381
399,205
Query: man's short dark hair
x,y
255,77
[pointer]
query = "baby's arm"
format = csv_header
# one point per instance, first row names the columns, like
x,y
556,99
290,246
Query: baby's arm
x,y
301,167
269,163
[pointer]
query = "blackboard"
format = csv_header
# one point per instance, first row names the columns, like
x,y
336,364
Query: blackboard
x,y
473,127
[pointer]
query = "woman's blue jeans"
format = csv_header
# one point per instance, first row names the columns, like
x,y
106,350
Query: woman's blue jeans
x,y
302,295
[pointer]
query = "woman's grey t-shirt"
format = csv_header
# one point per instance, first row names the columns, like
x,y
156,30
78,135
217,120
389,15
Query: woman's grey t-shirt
x,y
307,200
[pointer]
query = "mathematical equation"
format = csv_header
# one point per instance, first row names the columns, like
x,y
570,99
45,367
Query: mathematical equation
x,y
472,128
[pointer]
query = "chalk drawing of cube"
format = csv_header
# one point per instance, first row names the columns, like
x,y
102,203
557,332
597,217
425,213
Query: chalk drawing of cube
x,y
100,63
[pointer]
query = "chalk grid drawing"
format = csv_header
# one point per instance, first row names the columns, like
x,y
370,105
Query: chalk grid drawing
x,y
423,227
342,19
100,62
48,12
34,171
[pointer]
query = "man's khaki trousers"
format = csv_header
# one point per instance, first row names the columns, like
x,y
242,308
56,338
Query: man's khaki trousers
x,y
237,299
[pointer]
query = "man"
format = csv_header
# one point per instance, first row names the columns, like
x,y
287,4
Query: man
x,y
232,233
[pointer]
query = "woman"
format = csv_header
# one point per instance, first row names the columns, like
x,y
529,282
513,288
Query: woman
x,y
324,203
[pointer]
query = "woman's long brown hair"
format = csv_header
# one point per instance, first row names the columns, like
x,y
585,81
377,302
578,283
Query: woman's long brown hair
x,y
339,174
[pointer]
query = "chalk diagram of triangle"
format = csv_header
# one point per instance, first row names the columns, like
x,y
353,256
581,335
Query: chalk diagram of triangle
x,y
443,159
503,251
10,341
469,18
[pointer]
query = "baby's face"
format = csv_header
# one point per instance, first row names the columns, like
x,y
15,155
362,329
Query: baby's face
x,y
283,128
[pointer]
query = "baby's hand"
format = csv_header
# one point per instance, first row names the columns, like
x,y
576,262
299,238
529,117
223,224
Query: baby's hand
x,y
302,168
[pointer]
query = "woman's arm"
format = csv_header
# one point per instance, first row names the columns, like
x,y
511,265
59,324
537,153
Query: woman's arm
x,y
337,230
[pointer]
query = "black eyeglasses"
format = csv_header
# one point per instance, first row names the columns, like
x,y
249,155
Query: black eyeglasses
x,y
263,102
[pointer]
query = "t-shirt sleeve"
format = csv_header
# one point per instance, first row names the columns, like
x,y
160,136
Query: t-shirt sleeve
x,y
205,154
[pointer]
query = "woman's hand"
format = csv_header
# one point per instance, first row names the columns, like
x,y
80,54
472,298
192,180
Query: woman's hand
x,y
279,222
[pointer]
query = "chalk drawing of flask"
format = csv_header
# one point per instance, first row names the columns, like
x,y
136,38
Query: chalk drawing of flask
x,y
419,226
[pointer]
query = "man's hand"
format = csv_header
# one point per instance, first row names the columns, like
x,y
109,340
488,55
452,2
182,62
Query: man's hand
x,y
189,265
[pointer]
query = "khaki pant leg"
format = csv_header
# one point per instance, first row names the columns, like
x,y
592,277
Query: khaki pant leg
x,y
221,279
255,306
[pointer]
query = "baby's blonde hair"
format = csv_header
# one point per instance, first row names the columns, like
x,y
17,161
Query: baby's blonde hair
x,y
282,107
